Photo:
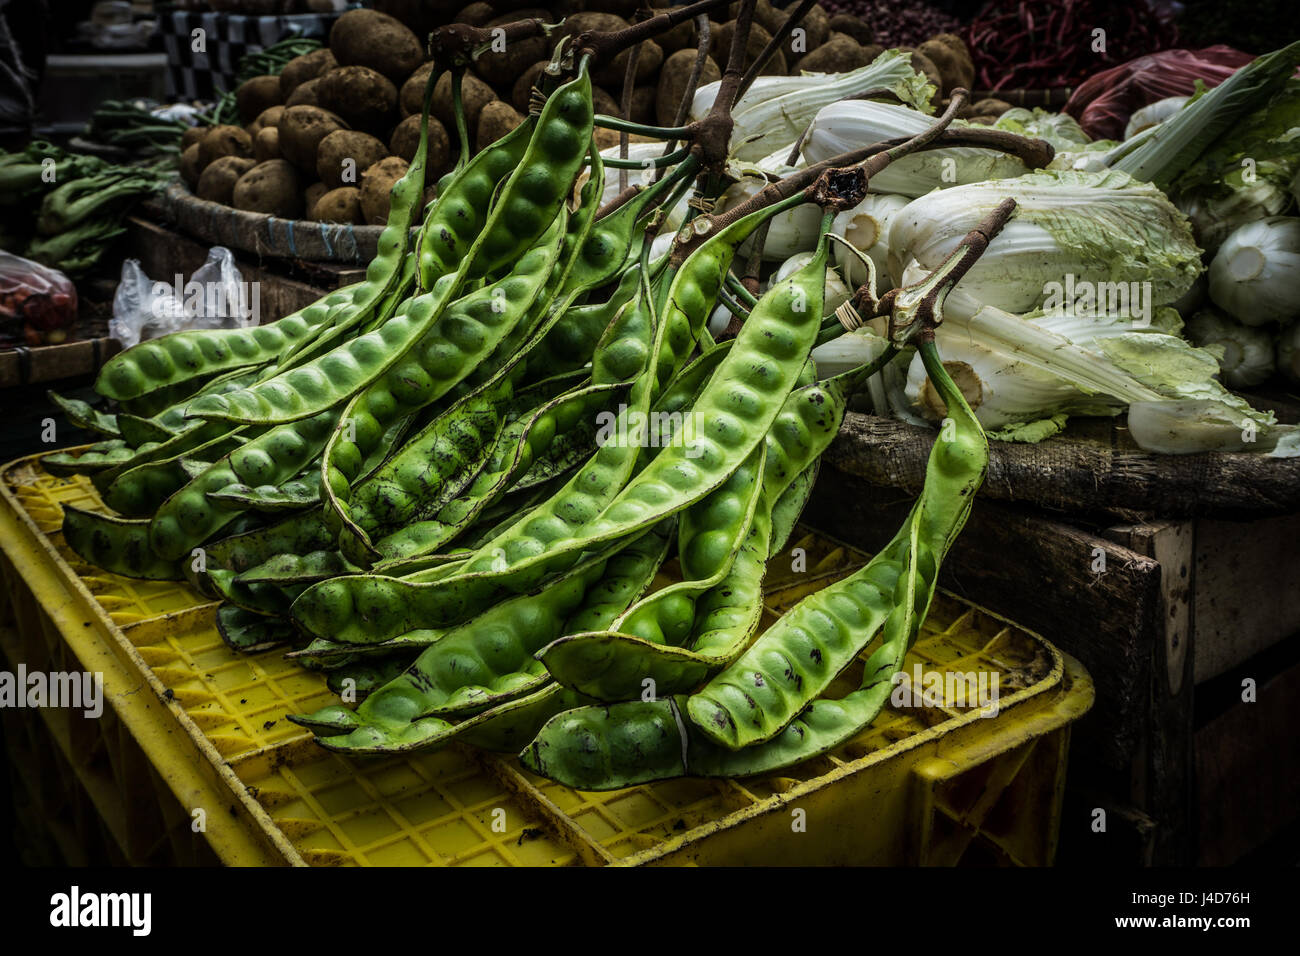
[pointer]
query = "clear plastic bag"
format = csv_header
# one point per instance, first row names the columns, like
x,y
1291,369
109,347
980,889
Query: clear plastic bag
x,y
215,297
38,305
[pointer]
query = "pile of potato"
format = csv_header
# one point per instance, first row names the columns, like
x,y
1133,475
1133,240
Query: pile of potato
x,y
326,139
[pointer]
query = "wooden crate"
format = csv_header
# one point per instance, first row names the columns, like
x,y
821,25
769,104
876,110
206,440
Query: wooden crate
x,y
1181,602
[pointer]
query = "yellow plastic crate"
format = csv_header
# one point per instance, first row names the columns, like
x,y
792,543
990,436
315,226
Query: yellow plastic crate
x,y
191,726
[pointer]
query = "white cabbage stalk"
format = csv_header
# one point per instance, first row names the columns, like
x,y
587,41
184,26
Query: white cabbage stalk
x,y
1255,276
1245,353
853,124
1114,369
795,230
1288,352
1184,427
1069,229
836,292
866,228
1000,387
1170,148
1216,218
777,161
775,110
1153,114
847,352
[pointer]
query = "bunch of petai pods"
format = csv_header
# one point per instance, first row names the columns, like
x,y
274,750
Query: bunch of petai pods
x,y
450,486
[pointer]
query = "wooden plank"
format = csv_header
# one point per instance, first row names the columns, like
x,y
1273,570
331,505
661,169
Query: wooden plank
x,y
1162,777
1038,572
1092,469
1248,771
51,363
1247,590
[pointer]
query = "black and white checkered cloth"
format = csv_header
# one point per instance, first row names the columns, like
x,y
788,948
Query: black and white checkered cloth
x,y
227,38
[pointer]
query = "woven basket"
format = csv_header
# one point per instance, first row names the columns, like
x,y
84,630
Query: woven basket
x,y
264,235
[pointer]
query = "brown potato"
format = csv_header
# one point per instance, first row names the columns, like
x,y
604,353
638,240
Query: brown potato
x,y
345,154
301,130
817,24
190,165
838,55
272,187
376,184
953,42
765,15
255,96
497,119
954,68
268,117
990,106
266,145
339,205
410,95
307,94
192,135
474,95
476,14
422,16
521,93
375,40
363,97
679,37
406,140
303,68
603,103
224,141
944,62
720,48
217,183
853,26
672,83
648,62
501,68
310,196
643,104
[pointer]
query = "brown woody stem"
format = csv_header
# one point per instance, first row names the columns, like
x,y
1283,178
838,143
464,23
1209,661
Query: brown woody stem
x,y
769,51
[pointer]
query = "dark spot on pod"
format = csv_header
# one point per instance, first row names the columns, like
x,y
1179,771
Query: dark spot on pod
x,y
816,655
758,679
